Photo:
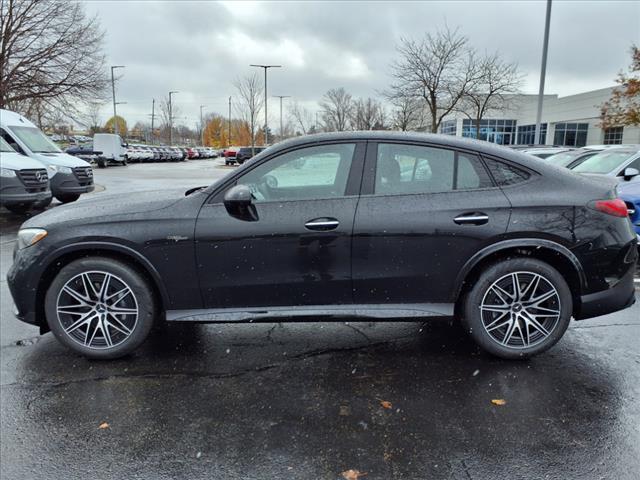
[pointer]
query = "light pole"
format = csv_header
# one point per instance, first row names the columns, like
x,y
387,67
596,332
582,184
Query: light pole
x,y
171,118
266,121
281,97
229,126
543,71
113,91
201,126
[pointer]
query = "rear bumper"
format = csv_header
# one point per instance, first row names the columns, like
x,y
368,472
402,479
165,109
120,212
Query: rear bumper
x,y
622,295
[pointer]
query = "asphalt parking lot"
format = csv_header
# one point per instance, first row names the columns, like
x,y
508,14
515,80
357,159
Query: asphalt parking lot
x,y
401,400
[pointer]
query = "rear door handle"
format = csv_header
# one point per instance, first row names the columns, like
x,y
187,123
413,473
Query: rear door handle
x,y
322,224
475,218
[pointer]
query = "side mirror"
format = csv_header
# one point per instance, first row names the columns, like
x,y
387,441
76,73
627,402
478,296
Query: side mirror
x,y
629,173
239,203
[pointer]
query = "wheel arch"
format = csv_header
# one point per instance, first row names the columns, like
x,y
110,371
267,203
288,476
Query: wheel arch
x,y
556,255
70,253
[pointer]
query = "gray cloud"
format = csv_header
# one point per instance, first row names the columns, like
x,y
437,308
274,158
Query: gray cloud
x,y
199,48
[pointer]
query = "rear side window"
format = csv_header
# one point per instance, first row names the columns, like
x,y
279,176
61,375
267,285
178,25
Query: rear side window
x,y
505,174
411,169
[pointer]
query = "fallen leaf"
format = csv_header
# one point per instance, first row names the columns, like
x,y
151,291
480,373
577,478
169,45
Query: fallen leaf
x,y
386,404
499,401
345,411
103,425
353,474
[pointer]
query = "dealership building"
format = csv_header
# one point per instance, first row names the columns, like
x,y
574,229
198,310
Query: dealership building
x,y
572,121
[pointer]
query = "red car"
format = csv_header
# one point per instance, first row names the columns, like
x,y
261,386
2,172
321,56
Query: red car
x,y
229,155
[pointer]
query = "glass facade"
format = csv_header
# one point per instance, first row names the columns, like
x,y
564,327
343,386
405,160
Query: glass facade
x,y
571,134
448,127
613,136
527,134
502,132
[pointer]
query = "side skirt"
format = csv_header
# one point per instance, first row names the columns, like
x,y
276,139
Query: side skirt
x,y
300,313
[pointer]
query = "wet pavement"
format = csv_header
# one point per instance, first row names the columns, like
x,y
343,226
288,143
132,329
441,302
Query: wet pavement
x,y
398,400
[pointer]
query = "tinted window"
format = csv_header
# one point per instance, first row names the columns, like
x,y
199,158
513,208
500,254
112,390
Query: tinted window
x,y
304,174
408,169
505,174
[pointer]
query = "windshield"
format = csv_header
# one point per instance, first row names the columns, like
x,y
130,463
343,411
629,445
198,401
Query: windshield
x,y
604,162
5,147
35,140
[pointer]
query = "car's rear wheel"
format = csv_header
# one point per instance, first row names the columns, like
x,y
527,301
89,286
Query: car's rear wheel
x,y
100,308
517,308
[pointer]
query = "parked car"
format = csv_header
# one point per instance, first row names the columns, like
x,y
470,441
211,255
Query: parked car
x,y
246,153
69,177
572,158
544,152
622,163
113,148
85,152
510,246
630,193
24,183
229,155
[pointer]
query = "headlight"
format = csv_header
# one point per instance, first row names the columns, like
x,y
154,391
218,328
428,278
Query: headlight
x,y
7,173
65,170
30,236
52,169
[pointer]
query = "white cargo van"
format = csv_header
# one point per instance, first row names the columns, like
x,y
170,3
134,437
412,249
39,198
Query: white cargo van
x,y
23,181
113,148
69,176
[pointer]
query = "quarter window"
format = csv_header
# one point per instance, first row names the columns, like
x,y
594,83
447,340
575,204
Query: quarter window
x,y
304,174
411,169
505,174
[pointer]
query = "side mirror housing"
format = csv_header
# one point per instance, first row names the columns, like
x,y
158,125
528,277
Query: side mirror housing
x,y
629,173
238,201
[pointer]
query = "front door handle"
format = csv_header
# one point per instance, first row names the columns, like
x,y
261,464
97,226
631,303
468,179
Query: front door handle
x,y
322,224
475,218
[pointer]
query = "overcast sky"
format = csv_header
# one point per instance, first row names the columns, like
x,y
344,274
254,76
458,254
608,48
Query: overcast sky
x,y
200,48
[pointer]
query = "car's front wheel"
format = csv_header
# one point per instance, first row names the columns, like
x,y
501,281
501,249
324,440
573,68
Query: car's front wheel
x,y
100,308
517,308
68,197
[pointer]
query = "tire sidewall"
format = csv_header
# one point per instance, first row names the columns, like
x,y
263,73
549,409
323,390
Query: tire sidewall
x,y
472,318
135,281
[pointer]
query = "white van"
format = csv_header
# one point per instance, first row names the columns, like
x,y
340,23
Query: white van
x,y
69,176
113,148
23,181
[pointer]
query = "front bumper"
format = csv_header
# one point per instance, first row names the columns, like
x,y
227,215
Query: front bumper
x,y
68,183
13,191
23,279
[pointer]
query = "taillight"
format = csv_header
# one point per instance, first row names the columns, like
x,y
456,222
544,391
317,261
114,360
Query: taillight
x,y
615,207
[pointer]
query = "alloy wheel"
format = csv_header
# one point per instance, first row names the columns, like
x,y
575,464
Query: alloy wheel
x,y
520,310
97,309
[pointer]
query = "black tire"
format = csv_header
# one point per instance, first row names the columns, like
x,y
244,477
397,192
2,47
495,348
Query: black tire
x,y
68,197
141,298
493,311
125,160
19,208
102,163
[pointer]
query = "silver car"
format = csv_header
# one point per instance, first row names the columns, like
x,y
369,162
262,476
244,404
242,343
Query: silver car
x,y
622,162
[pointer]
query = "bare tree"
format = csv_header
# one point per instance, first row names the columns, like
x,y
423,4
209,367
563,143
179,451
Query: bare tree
x,y
90,117
367,114
50,55
336,109
251,102
493,88
302,117
408,111
437,68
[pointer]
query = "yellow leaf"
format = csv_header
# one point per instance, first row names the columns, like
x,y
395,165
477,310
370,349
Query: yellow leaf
x,y
499,401
103,425
353,474
386,404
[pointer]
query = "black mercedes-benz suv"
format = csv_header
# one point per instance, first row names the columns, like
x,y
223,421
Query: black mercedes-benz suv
x,y
377,225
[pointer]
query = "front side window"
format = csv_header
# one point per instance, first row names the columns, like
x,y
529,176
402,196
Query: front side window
x,y
604,162
35,140
411,169
304,174
5,147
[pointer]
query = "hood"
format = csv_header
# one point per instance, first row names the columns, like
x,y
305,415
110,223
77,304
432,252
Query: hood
x,y
17,161
100,208
60,159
